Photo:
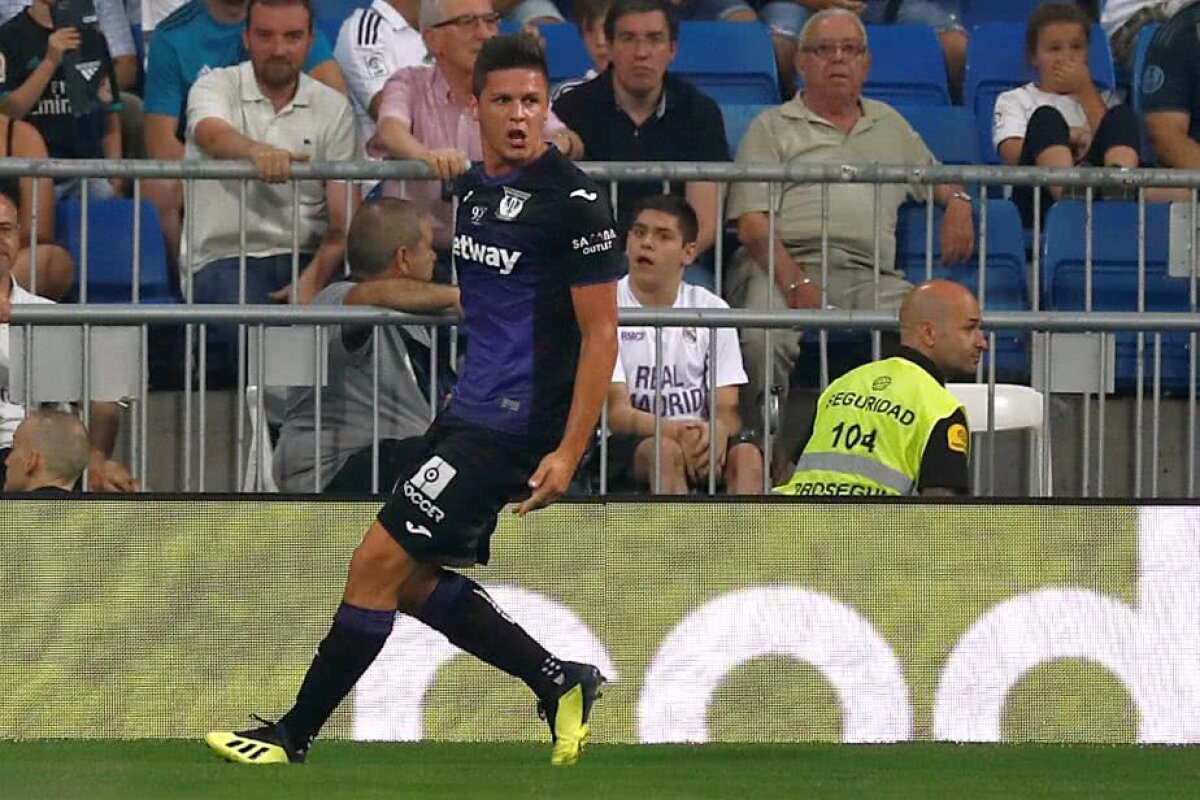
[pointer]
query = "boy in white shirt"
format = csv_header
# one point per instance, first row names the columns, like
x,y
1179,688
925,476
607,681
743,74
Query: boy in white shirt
x,y
661,242
1061,119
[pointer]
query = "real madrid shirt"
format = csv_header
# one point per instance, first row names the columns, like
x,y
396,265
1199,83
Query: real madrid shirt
x,y
373,43
685,364
521,243
22,47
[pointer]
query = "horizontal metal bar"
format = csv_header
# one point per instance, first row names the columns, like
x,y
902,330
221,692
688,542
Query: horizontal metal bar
x,y
703,318
727,172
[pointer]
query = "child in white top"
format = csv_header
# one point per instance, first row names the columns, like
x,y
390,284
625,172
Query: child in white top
x,y
1061,119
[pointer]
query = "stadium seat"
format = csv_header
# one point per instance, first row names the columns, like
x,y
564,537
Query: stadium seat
x,y
1145,35
907,66
730,62
948,131
110,250
738,117
566,56
1115,278
980,12
1013,407
996,62
330,14
260,458
1005,278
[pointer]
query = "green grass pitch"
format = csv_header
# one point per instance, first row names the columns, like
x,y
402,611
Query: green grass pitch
x,y
106,769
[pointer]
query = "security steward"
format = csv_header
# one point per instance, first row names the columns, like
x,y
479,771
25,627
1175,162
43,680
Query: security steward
x,y
891,427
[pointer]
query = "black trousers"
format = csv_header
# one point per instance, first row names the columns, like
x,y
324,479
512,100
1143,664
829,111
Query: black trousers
x,y
1047,128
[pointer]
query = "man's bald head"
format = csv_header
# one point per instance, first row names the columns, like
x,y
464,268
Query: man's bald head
x,y
50,448
941,319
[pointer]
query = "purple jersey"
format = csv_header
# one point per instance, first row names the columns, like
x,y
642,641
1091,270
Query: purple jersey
x,y
521,242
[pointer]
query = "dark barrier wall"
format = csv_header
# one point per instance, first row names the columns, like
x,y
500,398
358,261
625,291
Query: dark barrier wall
x,y
717,622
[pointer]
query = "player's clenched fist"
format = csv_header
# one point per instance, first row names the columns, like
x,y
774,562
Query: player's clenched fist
x,y
274,164
446,162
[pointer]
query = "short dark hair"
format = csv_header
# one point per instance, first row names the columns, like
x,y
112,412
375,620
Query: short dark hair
x,y
307,5
588,11
622,7
511,51
678,207
381,226
1050,13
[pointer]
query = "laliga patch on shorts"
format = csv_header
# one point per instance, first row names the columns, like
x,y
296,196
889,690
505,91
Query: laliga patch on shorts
x,y
433,477
957,438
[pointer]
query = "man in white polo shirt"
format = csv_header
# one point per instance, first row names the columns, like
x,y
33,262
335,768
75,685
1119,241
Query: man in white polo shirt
x,y
661,242
372,44
266,111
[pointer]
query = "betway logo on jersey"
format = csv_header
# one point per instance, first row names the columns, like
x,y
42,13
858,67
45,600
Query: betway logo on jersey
x,y
489,255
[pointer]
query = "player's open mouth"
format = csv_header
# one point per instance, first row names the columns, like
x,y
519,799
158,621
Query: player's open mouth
x,y
644,261
516,138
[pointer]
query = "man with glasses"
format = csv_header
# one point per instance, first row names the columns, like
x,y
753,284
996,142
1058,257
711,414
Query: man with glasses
x,y
637,111
830,122
424,111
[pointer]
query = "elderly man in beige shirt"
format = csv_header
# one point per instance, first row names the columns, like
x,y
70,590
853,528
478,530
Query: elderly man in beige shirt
x,y
829,121
268,112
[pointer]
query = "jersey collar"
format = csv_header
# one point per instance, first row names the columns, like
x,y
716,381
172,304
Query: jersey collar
x,y
922,361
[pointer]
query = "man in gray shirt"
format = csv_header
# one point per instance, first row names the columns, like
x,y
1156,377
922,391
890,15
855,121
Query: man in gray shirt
x,y
390,249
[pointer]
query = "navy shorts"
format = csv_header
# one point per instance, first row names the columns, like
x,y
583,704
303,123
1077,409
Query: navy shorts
x,y
453,482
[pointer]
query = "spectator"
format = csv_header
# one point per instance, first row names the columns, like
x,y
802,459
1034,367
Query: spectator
x,y
830,122
891,427
637,111
390,247
268,112
1170,96
104,474
114,24
941,15
425,114
1123,20
1061,118
71,108
661,242
200,36
55,268
589,20
372,44
49,454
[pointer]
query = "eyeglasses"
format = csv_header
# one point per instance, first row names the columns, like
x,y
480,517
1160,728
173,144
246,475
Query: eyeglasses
x,y
653,41
465,21
832,49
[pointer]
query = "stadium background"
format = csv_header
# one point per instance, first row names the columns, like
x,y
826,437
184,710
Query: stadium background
x,y
164,617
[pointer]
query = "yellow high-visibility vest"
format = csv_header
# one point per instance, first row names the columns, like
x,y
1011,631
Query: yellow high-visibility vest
x,y
872,426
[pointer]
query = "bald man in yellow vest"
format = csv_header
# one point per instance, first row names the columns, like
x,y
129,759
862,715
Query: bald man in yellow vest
x,y
891,427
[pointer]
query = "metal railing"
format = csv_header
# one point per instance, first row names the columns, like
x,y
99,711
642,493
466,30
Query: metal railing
x,y
1040,324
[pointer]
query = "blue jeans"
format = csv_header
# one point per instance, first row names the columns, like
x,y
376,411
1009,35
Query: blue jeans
x,y
217,283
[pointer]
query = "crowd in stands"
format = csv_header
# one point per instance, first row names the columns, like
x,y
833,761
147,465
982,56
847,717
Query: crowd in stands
x,y
276,82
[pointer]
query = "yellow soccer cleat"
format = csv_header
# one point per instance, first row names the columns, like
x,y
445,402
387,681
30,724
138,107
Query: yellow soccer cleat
x,y
568,713
268,744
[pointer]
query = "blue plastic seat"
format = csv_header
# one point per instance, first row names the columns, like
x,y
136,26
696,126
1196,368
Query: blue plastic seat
x,y
1005,282
980,12
1145,36
731,62
907,66
738,117
1115,278
996,62
948,131
330,14
566,56
110,250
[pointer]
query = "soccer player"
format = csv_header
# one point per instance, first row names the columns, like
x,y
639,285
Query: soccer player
x,y
538,264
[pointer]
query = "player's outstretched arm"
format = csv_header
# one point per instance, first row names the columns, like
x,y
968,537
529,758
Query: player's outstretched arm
x,y
596,311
